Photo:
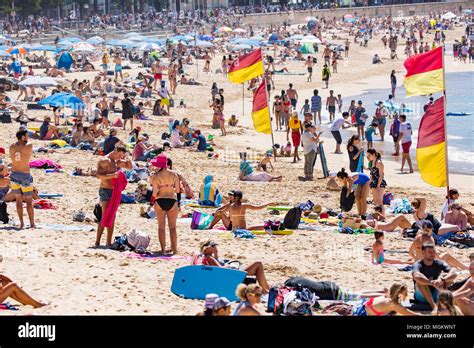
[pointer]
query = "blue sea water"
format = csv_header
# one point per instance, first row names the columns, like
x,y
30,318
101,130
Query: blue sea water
x,y
459,97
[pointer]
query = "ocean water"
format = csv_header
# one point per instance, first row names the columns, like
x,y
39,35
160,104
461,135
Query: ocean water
x,y
459,97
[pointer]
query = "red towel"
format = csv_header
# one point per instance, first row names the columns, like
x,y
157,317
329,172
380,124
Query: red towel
x,y
119,185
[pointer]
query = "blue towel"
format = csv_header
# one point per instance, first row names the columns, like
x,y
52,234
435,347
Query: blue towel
x,y
241,233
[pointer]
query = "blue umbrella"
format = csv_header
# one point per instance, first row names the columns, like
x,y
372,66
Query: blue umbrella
x,y
243,41
63,100
179,38
49,48
205,37
72,39
4,53
95,40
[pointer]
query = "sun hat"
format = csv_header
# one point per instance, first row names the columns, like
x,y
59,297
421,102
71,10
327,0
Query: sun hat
x,y
210,300
159,161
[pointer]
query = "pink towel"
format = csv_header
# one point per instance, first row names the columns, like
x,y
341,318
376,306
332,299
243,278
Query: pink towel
x,y
119,185
44,163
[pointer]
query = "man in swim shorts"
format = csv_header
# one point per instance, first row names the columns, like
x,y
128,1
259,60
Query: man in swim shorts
x,y
118,66
20,178
404,137
157,70
107,169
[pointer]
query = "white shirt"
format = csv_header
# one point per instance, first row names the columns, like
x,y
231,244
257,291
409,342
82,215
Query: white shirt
x,y
337,124
407,131
308,145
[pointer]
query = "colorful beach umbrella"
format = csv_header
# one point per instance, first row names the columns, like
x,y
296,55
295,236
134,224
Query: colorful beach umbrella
x,y
347,16
83,47
224,30
17,50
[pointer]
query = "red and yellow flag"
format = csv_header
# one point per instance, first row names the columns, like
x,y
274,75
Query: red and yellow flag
x,y
431,147
260,111
246,67
424,73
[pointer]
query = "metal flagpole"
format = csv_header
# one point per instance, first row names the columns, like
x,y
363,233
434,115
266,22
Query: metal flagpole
x,y
269,112
243,101
445,129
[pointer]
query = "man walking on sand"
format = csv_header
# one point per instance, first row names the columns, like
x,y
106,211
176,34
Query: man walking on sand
x,y
331,106
292,95
108,169
20,178
316,106
309,64
405,138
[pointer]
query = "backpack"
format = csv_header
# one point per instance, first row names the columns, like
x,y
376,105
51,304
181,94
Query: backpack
x,y
98,212
387,198
275,299
6,117
346,203
292,218
4,217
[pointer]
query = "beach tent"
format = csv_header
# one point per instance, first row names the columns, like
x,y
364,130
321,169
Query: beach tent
x,y
65,60
273,38
307,48
448,15
63,100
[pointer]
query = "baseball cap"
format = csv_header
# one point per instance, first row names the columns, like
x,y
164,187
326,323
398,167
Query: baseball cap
x,y
236,193
210,300
221,302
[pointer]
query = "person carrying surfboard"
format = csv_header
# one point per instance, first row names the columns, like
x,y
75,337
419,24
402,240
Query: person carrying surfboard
x,y
208,256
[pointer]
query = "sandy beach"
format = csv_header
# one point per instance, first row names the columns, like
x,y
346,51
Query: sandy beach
x,y
62,266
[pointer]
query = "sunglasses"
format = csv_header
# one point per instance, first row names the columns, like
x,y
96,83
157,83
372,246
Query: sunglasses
x,y
256,295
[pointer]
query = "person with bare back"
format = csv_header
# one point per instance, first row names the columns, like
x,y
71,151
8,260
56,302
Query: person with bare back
x,y
108,169
20,178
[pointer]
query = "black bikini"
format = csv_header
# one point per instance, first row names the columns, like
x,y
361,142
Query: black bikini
x,y
165,203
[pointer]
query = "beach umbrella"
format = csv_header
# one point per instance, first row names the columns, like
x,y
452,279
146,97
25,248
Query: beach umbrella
x,y
95,40
349,20
241,47
63,100
240,30
307,48
205,37
224,30
200,43
448,15
136,38
149,47
273,37
65,60
244,41
296,37
181,38
4,53
83,47
72,39
17,50
347,16
39,81
39,47
310,39
310,18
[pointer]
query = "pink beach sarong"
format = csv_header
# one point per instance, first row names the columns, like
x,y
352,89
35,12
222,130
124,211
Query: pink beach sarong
x,y
119,185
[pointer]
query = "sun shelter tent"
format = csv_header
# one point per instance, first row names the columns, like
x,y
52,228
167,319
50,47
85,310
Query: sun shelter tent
x,y
65,60
307,48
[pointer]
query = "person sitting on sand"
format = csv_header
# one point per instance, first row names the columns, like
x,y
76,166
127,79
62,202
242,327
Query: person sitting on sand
x,y
233,121
376,59
8,288
446,306
209,194
222,307
431,276
208,256
250,296
47,131
426,237
247,172
267,160
223,212
378,255
464,296
208,305
455,216
386,304
453,197
420,214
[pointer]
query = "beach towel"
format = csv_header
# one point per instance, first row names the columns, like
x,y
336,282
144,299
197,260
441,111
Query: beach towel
x,y
209,194
49,195
119,185
242,233
159,257
201,221
44,204
8,306
400,206
44,164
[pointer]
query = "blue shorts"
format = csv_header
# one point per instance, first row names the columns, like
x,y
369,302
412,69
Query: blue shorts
x,y
118,67
362,179
420,298
368,137
360,122
382,121
105,194
293,102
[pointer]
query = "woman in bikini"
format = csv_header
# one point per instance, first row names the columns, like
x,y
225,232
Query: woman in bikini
x,y
420,214
362,180
277,110
386,304
8,288
165,185
378,183
250,296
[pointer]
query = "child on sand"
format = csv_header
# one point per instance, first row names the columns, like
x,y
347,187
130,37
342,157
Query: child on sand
x,y
233,121
368,135
378,256
285,151
267,160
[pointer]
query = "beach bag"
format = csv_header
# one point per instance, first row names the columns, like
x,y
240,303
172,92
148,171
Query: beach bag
x,y
275,299
6,118
270,225
299,302
387,198
138,240
292,218
117,122
346,203
127,199
463,238
98,212
4,217
201,221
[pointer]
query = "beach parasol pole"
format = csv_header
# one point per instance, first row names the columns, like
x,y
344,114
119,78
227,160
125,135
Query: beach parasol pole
x,y
445,129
